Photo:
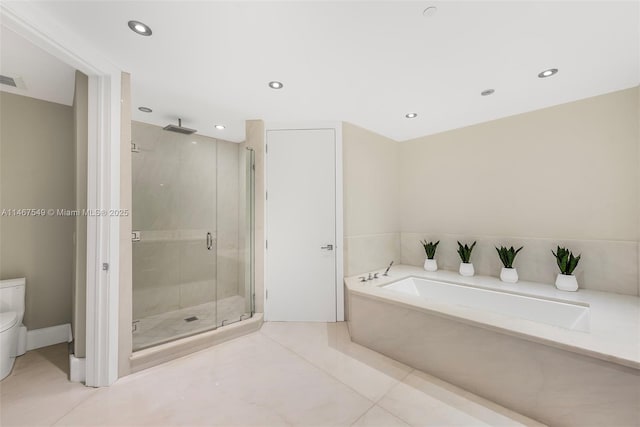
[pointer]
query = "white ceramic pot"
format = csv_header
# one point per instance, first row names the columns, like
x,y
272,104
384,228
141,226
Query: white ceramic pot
x,y
466,269
566,282
509,275
431,264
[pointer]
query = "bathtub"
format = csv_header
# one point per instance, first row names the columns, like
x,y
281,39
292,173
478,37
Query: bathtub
x,y
564,314
564,359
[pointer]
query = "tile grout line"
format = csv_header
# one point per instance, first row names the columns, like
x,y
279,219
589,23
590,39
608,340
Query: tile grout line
x,y
375,402
382,397
400,417
87,397
363,414
412,370
319,368
326,373
391,388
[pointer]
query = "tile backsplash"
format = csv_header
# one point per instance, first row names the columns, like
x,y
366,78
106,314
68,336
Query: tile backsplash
x,y
606,265
370,252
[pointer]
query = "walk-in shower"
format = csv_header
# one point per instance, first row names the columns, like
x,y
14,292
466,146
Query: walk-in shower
x,y
192,234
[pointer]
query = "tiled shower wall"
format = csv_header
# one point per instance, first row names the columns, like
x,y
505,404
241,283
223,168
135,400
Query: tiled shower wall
x,y
605,265
183,187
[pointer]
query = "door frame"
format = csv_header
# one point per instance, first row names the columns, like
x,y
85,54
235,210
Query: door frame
x,y
339,236
103,178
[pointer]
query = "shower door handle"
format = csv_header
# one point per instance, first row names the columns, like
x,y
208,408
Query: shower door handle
x,y
209,241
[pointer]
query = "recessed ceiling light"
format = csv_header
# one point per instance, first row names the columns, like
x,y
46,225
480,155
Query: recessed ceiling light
x,y
430,11
140,28
411,115
548,73
145,109
219,127
276,85
487,92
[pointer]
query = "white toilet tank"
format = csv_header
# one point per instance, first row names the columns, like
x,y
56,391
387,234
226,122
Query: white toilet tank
x,y
12,296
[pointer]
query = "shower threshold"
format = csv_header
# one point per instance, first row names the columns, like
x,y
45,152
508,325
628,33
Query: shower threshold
x,y
171,350
164,327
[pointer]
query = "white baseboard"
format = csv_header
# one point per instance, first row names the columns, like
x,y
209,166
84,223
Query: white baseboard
x,y
77,369
44,337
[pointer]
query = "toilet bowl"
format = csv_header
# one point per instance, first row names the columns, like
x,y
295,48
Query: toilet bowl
x,y
11,314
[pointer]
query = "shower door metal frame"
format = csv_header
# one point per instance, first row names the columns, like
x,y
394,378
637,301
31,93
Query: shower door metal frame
x,y
251,221
103,180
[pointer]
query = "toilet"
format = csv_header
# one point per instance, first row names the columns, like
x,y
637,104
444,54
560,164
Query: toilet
x,y
11,313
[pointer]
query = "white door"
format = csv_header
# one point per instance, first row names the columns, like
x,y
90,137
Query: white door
x,y
301,225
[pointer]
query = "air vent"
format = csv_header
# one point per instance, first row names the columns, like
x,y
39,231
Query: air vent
x,y
9,81
16,82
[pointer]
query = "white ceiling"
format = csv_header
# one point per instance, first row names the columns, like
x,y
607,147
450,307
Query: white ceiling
x,y
368,63
44,76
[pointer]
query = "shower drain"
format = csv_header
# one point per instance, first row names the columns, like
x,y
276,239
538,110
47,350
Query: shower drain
x,y
191,319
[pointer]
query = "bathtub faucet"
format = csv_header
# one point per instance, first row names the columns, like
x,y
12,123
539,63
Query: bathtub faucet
x,y
387,270
371,277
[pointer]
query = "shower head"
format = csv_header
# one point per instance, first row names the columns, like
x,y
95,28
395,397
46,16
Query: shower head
x,y
179,128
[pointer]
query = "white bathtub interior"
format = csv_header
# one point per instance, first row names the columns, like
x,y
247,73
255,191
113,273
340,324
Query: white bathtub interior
x,y
563,314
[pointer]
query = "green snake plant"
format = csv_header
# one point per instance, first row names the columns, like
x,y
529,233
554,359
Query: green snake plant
x,y
508,255
567,262
430,248
465,251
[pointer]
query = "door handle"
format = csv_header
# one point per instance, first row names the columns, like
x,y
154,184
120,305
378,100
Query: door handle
x,y
209,241
328,247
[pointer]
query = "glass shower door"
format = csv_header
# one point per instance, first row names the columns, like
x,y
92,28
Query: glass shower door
x,y
174,221
193,222
235,226
197,207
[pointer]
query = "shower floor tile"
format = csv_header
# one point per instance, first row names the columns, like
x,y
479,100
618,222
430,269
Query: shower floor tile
x,y
160,328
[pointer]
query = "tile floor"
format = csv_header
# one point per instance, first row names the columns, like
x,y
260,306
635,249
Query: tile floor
x,y
160,328
285,374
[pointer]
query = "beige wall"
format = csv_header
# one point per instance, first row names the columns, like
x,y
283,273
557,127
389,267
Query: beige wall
x,y
371,185
79,273
125,339
569,171
37,171
566,174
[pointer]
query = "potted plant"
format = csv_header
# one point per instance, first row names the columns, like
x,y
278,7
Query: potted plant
x,y
466,267
430,263
567,262
508,273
